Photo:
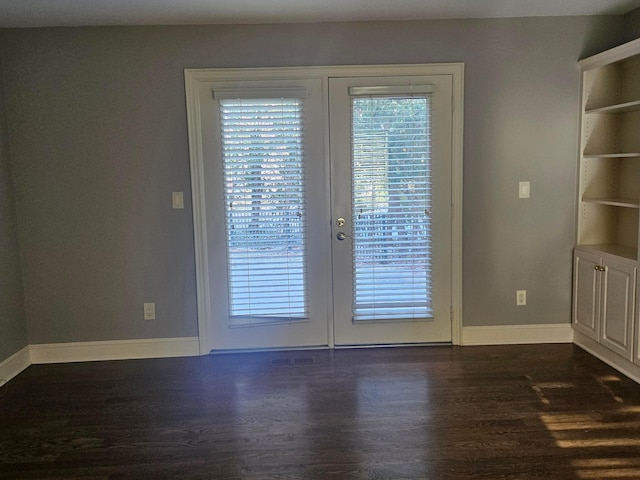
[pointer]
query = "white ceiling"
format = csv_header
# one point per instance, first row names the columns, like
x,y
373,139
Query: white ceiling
x,y
43,13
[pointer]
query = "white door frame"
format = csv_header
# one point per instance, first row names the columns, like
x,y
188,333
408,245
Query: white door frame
x,y
195,79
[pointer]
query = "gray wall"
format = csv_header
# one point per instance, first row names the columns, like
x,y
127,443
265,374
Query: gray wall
x,y
13,326
632,24
99,140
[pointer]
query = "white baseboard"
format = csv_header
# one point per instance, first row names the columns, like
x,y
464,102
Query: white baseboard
x,y
114,350
190,346
517,334
623,365
15,364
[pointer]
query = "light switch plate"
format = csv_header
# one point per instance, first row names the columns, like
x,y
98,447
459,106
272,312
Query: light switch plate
x,y
177,200
524,190
149,311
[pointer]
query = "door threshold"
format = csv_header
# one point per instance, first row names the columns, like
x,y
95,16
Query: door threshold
x,y
327,347
272,349
394,345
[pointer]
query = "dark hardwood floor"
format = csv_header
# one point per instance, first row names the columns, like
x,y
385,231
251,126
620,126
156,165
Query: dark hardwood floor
x,y
511,412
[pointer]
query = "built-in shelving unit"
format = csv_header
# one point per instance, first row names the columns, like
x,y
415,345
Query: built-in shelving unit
x,y
606,300
609,203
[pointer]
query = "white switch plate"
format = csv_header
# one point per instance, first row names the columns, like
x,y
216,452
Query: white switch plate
x,y
521,297
149,311
524,190
177,200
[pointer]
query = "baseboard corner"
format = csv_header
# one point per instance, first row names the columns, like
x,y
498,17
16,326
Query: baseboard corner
x,y
15,364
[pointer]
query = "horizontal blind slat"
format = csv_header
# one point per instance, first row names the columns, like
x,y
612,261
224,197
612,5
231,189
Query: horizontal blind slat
x,y
262,148
391,184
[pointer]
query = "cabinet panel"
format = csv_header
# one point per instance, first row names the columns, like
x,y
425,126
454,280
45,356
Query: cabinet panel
x,y
613,229
629,80
611,178
612,83
611,133
586,298
636,328
618,298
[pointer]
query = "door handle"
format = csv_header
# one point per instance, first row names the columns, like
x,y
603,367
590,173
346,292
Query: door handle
x,y
341,236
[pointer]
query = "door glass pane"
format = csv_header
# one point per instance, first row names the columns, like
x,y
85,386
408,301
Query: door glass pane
x,y
391,149
262,149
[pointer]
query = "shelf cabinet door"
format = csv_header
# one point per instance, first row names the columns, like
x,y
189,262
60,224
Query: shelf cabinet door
x,y
586,294
618,288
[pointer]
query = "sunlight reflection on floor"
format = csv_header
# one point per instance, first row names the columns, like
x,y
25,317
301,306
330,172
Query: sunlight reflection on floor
x,y
577,432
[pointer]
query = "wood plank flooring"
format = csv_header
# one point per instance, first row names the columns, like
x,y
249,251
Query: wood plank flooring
x,y
548,412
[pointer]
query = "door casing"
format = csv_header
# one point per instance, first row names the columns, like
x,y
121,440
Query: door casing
x,y
196,81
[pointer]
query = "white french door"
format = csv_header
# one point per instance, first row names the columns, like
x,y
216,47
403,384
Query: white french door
x,y
266,213
322,209
391,200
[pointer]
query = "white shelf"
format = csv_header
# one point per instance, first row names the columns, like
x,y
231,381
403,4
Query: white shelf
x,y
609,249
619,108
616,54
616,202
612,155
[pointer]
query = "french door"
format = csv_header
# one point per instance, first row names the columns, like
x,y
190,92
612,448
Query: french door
x,y
322,208
391,199
266,214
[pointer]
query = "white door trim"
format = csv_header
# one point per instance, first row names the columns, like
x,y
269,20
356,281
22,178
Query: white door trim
x,y
196,78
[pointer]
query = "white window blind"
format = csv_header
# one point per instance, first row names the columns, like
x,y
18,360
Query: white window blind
x,y
391,149
262,148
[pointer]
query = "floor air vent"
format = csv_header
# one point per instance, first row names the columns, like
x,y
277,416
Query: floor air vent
x,y
281,361
294,361
302,361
